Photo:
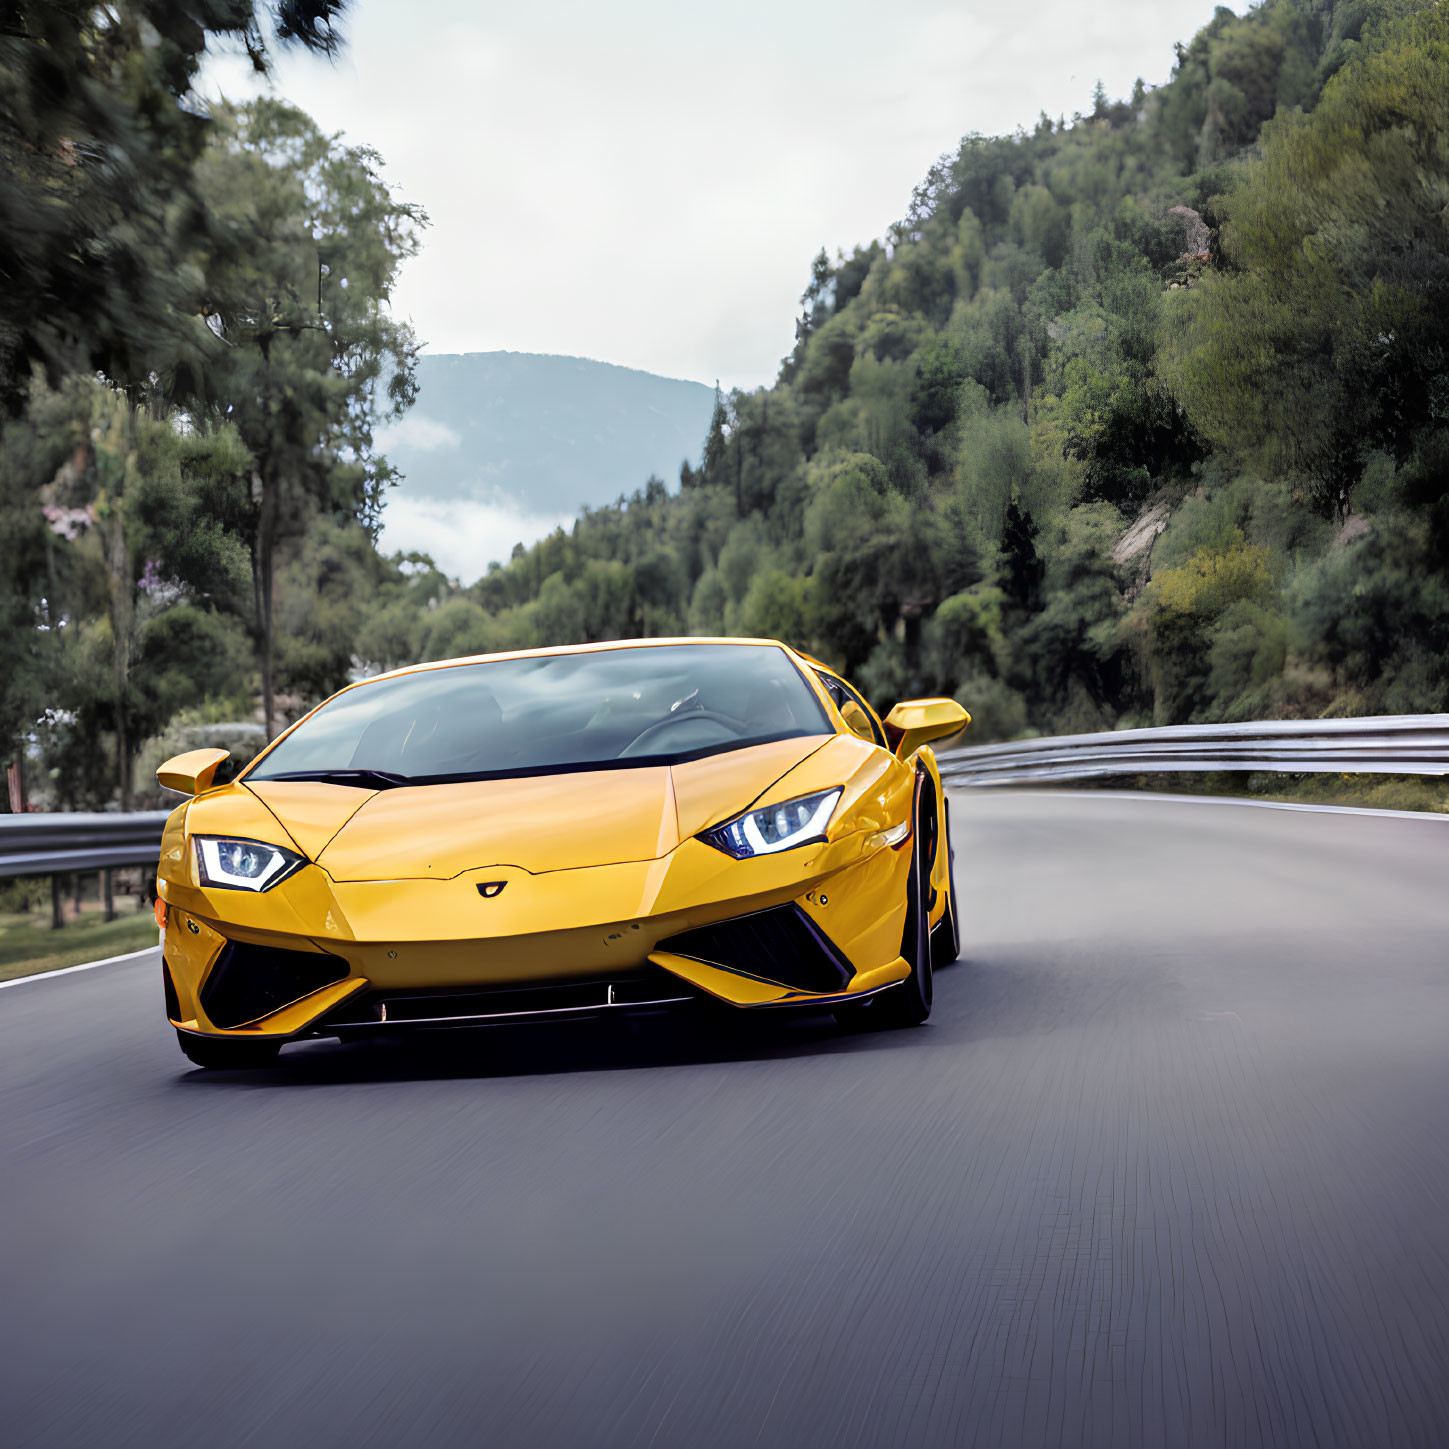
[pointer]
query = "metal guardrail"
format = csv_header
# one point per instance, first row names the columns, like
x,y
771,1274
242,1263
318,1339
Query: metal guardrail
x,y
1386,745
67,844
77,843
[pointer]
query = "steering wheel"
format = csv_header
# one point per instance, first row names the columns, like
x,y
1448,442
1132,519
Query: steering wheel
x,y
732,725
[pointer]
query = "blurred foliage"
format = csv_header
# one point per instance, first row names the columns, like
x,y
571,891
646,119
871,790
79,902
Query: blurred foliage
x,y
1140,416
100,133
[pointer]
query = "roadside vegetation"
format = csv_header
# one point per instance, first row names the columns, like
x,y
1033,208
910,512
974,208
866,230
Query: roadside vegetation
x,y
1140,416
28,944
1420,793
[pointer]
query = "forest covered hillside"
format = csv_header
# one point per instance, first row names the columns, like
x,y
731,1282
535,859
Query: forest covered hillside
x,y
1141,417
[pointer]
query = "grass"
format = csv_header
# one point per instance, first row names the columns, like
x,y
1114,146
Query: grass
x,y
1425,793
28,944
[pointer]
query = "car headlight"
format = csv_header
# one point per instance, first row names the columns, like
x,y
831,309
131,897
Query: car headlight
x,y
243,865
775,827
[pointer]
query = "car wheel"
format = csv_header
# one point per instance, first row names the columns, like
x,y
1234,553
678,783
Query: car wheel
x,y
222,1054
909,1003
946,938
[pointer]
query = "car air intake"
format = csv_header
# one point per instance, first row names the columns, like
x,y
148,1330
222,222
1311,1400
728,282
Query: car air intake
x,y
248,982
782,945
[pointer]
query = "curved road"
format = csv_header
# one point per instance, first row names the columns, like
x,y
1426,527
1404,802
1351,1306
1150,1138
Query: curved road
x,y
1167,1167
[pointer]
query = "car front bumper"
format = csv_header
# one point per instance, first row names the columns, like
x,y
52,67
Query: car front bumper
x,y
322,957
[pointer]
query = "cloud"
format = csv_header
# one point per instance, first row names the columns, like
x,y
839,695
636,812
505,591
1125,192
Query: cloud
x,y
462,537
416,430
646,182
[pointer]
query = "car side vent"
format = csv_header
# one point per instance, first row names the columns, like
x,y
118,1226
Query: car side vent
x,y
248,982
782,945
173,1006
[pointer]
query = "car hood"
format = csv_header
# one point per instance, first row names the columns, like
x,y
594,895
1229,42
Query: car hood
x,y
537,823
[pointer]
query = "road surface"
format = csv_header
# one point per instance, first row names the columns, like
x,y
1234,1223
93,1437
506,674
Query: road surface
x,y
1168,1166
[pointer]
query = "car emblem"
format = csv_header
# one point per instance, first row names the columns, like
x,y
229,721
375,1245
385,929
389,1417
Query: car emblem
x,y
490,888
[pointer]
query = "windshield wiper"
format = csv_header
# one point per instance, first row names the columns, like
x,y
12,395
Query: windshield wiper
x,y
363,779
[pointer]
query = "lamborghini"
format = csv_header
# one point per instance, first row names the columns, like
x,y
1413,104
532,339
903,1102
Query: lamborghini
x,y
627,827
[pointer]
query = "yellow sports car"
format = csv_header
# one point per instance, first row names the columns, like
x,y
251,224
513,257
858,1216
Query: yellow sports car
x,y
650,825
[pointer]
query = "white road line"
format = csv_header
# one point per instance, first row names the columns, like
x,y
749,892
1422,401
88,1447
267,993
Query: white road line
x,y
84,966
1198,800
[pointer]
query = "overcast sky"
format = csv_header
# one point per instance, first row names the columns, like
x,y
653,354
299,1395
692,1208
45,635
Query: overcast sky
x,y
645,182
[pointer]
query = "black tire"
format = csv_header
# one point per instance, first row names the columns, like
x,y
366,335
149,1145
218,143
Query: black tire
x,y
223,1054
909,1003
946,938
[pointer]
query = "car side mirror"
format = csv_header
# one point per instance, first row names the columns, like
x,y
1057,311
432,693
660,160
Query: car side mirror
x,y
193,772
916,722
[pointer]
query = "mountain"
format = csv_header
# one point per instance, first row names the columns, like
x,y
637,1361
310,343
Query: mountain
x,y
503,447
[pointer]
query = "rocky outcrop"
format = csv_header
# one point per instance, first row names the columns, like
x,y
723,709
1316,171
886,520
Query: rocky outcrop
x,y
1136,544
1140,537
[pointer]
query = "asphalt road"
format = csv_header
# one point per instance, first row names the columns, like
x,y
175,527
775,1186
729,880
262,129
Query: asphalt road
x,y
1167,1167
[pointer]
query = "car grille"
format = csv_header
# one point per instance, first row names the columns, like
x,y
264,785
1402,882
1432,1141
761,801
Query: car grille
x,y
651,991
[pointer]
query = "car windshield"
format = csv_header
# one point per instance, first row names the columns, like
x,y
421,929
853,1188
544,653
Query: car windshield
x,y
600,709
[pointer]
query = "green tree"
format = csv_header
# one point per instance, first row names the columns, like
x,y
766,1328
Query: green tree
x,y
313,358
1324,336
30,611
127,498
